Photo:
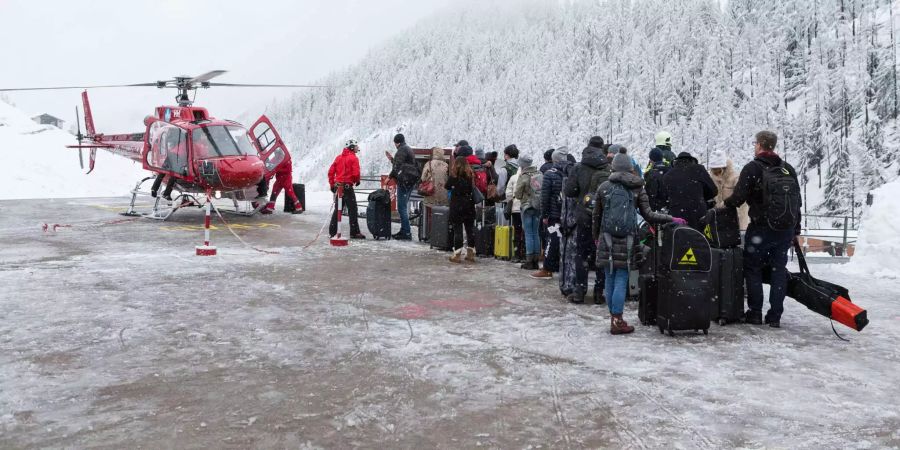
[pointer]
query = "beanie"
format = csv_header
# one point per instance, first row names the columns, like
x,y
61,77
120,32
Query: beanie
x,y
622,163
525,161
656,155
596,141
561,154
465,150
399,139
718,160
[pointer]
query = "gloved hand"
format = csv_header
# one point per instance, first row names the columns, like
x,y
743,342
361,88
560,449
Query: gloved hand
x,y
679,221
357,184
333,188
546,222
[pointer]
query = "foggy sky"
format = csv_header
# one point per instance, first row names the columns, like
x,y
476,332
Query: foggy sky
x,y
53,43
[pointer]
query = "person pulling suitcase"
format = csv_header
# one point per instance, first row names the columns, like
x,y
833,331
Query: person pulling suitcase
x,y
615,229
344,172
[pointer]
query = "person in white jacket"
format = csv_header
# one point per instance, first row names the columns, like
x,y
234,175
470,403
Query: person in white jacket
x,y
518,232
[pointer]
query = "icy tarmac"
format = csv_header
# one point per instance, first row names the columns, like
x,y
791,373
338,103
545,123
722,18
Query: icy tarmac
x,y
114,335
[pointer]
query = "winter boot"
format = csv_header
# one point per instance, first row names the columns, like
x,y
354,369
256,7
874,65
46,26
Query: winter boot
x,y
355,235
531,262
753,317
617,325
599,298
470,254
298,208
542,274
269,209
772,321
576,297
457,256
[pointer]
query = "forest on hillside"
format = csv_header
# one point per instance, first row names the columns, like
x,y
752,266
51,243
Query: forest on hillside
x,y
541,74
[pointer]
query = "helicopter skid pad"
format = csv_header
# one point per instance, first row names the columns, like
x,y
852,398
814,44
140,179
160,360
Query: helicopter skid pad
x,y
206,250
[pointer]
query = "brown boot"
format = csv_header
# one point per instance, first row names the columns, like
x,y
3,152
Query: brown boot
x,y
457,256
470,254
617,325
542,275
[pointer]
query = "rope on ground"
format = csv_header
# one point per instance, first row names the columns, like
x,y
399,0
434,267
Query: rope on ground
x,y
327,222
268,252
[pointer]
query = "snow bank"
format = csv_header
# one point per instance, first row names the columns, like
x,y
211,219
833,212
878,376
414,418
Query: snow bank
x,y
878,246
40,166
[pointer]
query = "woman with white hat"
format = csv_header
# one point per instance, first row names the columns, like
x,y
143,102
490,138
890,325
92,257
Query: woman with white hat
x,y
721,169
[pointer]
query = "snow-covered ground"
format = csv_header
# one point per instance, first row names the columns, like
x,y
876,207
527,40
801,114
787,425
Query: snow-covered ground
x,y
38,165
113,334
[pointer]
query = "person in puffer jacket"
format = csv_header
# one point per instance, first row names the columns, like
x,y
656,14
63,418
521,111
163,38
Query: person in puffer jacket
x,y
613,253
551,210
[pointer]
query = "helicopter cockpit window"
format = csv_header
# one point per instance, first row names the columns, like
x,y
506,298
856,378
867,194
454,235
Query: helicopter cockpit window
x,y
219,140
168,145
266,137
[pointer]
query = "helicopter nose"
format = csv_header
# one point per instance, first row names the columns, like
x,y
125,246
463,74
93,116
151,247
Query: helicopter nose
x,y
240,173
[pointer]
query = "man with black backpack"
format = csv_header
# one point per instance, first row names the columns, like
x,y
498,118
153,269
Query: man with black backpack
x,y
653,180
582,185
771,188
405,173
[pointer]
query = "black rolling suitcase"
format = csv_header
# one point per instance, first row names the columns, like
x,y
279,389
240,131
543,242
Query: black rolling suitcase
x,y
300,192
728,267
439,236
649,297
424,223
686,285
378,214
721,228
484,235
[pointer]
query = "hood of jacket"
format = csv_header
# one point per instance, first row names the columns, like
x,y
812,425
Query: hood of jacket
x,y
682,161
593,157
437,154
769,158
347,151
627,179
531,170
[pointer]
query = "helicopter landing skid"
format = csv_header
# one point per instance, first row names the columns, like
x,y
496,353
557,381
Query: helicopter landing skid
x,y
163,212
244,208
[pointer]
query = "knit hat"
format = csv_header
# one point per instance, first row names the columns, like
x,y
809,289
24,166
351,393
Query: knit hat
x,y
465,150
479,152
461,143
491,156
718,160
525,161
548,155
596,141
560,154
613,149
622,163
656,155
399,139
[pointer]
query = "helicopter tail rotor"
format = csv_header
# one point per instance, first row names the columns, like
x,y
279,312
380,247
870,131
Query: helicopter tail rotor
x,y
79,137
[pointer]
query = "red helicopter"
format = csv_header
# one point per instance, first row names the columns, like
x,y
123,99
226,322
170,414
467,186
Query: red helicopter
x,y
193,152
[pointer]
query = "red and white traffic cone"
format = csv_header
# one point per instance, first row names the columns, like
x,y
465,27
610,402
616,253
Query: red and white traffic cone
x,y
206,249
338,240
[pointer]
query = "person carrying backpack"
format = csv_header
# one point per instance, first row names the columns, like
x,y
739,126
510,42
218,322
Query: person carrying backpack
x,y
653,180
462,209
528,193
406,174
582,185
509,168
614,229
551,211
771,188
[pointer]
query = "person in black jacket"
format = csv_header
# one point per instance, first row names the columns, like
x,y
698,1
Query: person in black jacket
x,y
653,180
582,184
406,174
461,184
548,161
765,244
551,211
688,189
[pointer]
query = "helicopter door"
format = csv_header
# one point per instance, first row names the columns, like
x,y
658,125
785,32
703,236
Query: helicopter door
x,y
269,144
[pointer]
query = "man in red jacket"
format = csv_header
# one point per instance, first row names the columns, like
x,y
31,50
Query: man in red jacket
x,y
283,180
344,173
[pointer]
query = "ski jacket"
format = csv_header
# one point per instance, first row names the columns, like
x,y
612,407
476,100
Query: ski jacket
x,y
344,169
551,191
749,188
523,192
579,181
653,185
623,256
688,188
403,158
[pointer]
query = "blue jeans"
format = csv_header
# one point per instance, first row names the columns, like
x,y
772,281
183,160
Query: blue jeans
x,y
616,289
764,247
403,208
531,222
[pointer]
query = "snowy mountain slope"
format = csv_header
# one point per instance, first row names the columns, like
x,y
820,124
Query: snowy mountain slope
x,y
545,74
39,166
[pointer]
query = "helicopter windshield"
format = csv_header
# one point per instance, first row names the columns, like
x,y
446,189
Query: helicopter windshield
x,y
221,140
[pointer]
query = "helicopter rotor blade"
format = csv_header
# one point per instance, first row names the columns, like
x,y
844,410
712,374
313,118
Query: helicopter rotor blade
x,y
56,88
79,137
207,76
268,85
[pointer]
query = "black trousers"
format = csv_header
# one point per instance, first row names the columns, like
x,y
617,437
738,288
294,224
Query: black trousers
x,y
469,227
551,248
585,257
352,211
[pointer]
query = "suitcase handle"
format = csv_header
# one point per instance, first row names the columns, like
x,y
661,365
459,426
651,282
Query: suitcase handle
x,y
801,259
